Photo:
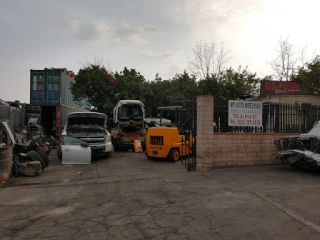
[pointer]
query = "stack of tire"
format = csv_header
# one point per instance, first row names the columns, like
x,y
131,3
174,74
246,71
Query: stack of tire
x,y
32,163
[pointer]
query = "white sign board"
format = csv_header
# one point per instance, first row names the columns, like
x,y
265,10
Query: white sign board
x,y
245,114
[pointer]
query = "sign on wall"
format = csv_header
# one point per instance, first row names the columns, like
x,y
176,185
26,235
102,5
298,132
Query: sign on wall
x,y
277,88
245,114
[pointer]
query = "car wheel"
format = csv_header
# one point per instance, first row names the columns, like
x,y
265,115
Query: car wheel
x,y
43,155
174,155
34,156
46,148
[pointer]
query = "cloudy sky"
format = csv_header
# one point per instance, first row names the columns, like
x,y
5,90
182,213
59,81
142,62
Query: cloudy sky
x,y
152,36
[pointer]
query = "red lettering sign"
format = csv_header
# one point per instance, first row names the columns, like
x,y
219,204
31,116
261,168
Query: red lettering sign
x,y
273,86
276,88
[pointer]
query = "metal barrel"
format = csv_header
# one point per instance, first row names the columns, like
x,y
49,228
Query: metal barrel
x,y
5,163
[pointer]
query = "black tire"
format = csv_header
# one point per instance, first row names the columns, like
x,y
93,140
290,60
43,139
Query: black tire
x,y
45,147
48,151
147,156
59,152
174,155
34,156
116,147
43,155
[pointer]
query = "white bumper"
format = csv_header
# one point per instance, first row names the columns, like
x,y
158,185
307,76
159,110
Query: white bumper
x,y
108,147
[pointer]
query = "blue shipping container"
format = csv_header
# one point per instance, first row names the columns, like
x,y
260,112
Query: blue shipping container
x,y
45,86
51,87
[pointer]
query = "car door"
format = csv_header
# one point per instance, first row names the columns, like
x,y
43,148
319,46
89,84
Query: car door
x,y
75,151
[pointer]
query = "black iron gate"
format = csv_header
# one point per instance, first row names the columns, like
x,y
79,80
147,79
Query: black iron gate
x,y
187,125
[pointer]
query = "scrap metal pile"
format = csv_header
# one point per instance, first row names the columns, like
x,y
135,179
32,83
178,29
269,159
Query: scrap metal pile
x,y
301,151
28,157
24,148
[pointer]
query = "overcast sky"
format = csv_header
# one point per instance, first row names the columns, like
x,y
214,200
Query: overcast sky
x,y
152,36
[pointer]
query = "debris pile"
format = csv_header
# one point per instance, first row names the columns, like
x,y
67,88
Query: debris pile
x,y
301,151
22,157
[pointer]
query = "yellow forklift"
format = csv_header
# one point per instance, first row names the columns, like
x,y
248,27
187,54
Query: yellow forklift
x,y
171,142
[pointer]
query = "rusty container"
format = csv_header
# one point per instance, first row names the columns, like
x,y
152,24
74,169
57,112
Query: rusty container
x,y
5,163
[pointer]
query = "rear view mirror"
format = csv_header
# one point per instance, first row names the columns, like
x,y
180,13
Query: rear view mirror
x,y
84,144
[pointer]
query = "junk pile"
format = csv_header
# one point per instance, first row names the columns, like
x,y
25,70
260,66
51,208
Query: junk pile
x,y
31,158
23,149
22,157
301,151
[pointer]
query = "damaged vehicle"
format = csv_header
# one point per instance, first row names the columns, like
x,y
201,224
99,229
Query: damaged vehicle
x,y
301,151
90,128
128,124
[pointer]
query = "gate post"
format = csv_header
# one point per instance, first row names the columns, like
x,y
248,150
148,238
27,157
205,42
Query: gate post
x,y
204,133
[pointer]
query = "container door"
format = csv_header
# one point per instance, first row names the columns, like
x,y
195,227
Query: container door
x,y
58,120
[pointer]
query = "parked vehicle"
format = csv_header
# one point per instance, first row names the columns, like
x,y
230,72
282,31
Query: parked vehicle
x,y
128,124
157,121
169,142
90,127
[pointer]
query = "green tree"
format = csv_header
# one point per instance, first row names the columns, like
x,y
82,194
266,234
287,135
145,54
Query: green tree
x,y
96,85
169,92
103,89
185,87
231,84
309,76
211,86
157,93
130,85
237,83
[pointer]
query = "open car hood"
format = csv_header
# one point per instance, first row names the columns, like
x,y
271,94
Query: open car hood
x,y
87,119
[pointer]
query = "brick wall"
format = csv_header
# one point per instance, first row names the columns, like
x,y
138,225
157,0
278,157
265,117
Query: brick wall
x,y
204,133
230,149
244,149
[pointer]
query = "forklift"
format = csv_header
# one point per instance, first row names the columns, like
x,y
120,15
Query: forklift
x,y
171,142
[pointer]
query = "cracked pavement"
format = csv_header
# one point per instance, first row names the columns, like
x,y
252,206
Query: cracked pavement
x,y
130,197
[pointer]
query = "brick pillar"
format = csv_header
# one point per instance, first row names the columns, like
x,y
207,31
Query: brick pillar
x,y
204,133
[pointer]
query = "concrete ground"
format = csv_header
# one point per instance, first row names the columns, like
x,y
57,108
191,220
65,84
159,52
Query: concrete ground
x,y
130,197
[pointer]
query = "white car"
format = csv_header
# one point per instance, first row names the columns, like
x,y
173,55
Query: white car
x,y
90,128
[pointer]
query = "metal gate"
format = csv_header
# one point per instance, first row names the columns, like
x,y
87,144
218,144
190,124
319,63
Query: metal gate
x,y
187,125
